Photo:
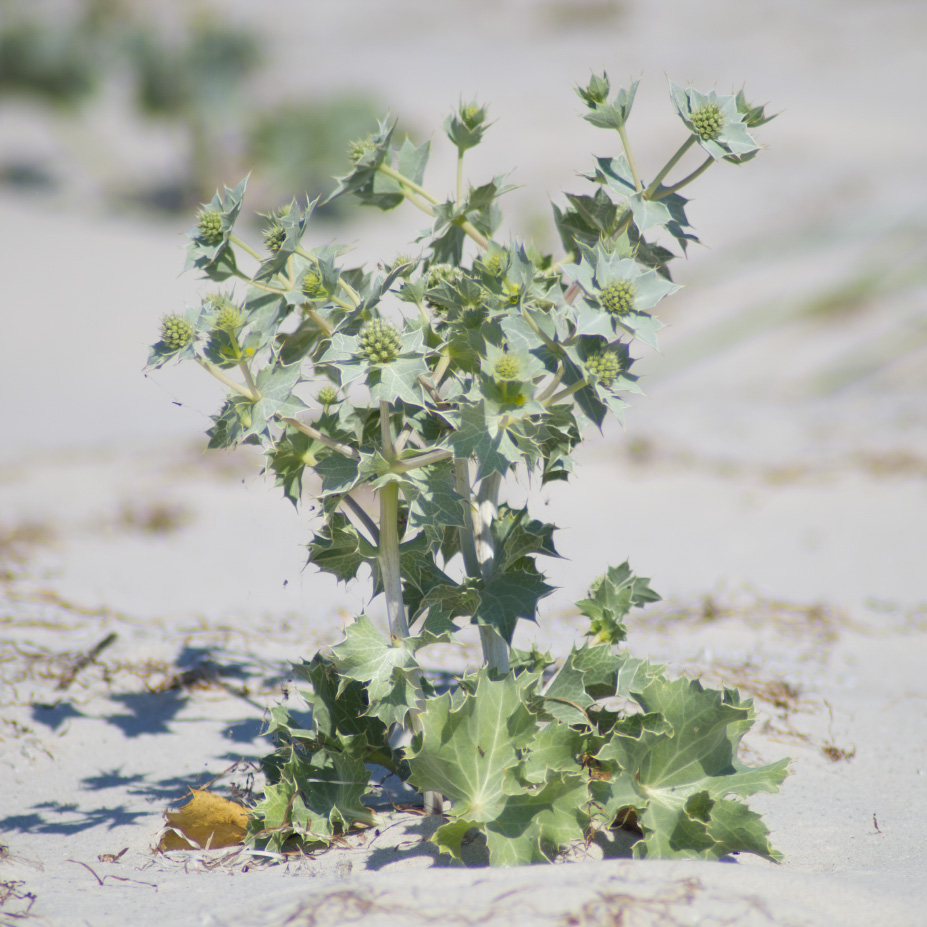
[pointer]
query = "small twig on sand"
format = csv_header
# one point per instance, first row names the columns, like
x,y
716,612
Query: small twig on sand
x,y
84,660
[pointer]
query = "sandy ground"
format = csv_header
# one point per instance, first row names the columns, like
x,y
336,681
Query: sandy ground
x,y
773,484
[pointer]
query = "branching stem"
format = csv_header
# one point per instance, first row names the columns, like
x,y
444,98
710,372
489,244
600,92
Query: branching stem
x,y
228,381
666,191
317,435
673,161
627,153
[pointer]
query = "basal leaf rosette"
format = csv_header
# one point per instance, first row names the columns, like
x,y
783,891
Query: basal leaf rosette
x,y
716,122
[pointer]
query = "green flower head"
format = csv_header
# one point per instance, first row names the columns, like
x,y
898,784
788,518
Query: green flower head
x,y
716,121
209,226
495,262
327,395
707,121
313,285
379,341
618,297
274,233
176,332
605,365
228,317
359,148
506,368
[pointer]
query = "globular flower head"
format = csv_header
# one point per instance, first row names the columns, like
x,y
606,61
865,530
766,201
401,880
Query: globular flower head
x,y
618,297
379,341
176,332
327,395
274,236
209,226
313,285
442,273
605,365
228,318
707,121
506,367
495,262
274,233
404,264
359,148
716,121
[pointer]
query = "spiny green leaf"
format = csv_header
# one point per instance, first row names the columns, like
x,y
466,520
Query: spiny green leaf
x,y
387,666
339,549
533,825
509,595
698,753
468,752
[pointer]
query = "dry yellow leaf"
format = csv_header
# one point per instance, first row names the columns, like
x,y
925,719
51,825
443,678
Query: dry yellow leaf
x,y
206,820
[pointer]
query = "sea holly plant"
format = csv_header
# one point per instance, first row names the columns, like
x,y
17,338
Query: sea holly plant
x,y
424,383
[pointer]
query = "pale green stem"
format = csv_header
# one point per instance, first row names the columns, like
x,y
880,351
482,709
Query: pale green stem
x,y
406,182
353,295
673,161
389,536
441,369
627,153
666,191
362,517
476,531
317,435
460,156
430,387
228,381
466,533
428,457
551,344
318,320
495,649
235,240
246,371
260,286
417,202
410,185
548,390
565,393
389,559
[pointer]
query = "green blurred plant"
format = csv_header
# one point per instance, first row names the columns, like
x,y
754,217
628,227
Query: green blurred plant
x,y
426,382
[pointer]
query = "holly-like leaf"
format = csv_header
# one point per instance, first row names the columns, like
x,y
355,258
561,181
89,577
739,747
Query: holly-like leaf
x,y
434,503
387,666
339,474
316,796
478,434
339,549
469,751
509,595
610,600
534,825
696,752
339,708
442,604
516,535
275,384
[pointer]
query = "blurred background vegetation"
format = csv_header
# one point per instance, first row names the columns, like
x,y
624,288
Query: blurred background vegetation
x,y
195,83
